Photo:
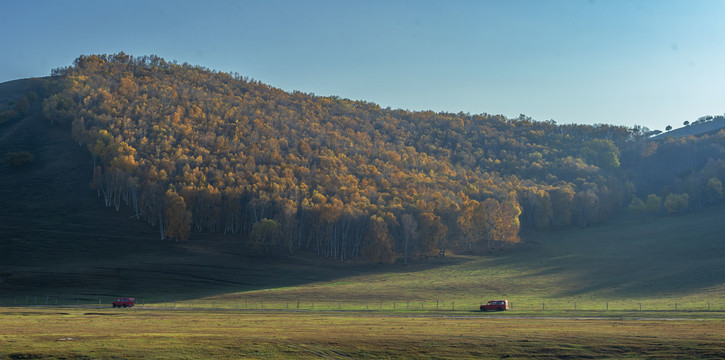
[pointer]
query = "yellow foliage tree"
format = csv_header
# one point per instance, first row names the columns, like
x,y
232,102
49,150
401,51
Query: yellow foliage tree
x,y
177,218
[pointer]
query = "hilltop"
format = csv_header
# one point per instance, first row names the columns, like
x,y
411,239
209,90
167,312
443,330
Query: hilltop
x,y
703,125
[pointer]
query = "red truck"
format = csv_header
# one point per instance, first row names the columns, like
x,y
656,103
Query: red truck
x,y
124,302
498,305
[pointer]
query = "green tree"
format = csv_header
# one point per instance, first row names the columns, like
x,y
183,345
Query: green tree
x,y
654,204
675,203
637,207
562,202
713,190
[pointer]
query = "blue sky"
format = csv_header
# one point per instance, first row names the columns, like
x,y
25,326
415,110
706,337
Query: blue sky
x,y
625,62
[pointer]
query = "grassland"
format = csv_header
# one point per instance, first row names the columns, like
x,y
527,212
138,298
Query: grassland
x,y
158,334
668,263
202,298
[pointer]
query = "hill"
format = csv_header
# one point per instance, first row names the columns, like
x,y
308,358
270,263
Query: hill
x,y
703,125
194,150
59,239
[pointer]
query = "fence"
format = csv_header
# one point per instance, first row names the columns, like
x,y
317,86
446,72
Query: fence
x,y
461,305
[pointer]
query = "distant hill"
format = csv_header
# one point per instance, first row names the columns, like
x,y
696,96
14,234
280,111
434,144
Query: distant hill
x,y
706,124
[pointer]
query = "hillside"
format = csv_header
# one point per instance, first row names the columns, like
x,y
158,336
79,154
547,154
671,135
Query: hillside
x,y
59,239
706,124
193,150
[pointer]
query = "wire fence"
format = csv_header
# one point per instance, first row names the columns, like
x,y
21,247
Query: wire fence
x,y
460,305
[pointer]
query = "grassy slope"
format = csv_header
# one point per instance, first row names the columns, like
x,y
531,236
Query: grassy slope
x,y
656,262
58,239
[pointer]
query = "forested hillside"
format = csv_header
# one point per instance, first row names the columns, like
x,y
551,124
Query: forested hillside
x,y
194,150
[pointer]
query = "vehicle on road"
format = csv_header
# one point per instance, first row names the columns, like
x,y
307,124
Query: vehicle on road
x,y
497,305
124,302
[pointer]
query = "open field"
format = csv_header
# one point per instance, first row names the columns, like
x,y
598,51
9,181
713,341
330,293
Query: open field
x,y
209,297
158,334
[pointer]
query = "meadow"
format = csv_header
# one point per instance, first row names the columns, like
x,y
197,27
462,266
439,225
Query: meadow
x,y
73,333
195,304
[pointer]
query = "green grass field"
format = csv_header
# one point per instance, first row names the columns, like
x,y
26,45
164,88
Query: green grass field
x,y
669,263
68,333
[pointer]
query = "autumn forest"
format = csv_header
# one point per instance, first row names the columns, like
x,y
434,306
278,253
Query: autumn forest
x,y
193,150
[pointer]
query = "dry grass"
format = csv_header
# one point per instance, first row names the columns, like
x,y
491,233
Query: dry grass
x,y
160,334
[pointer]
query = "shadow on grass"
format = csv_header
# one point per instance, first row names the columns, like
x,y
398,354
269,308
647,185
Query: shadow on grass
x,y
629,259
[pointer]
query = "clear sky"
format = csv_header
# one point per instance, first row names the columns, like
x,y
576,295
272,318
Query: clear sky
x,y
652,63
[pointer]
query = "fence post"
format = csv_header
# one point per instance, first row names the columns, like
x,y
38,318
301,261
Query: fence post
x,y
407,304
542,306
607,305
393,305
339,305
381,305
453,305
640,306
366,305
99,301
298,304
574,305
436,304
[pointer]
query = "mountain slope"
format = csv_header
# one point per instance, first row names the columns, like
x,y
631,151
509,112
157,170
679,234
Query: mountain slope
x,y
193,150
58,239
